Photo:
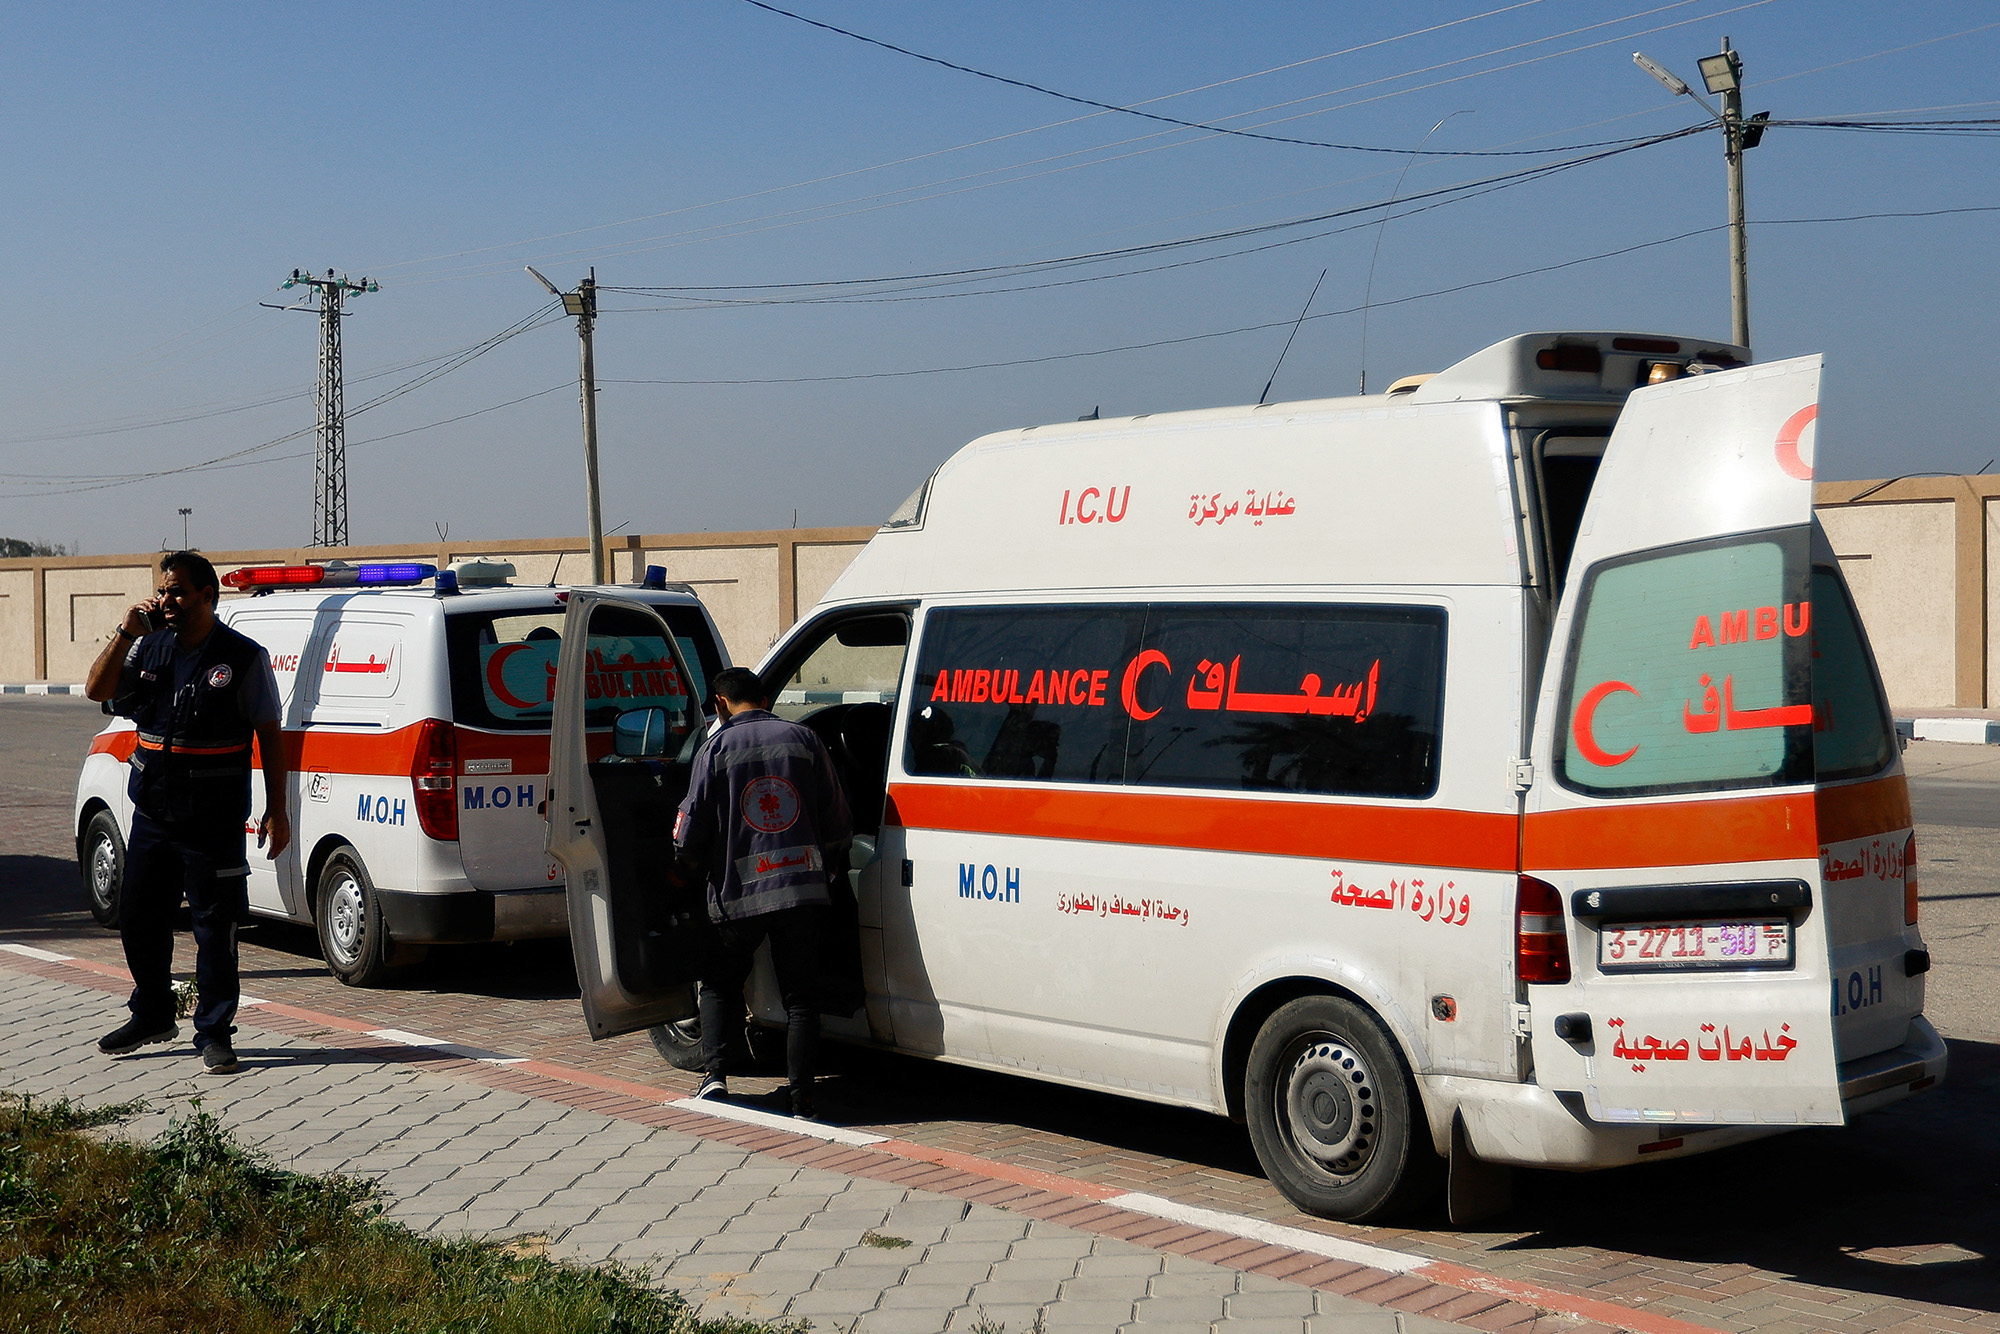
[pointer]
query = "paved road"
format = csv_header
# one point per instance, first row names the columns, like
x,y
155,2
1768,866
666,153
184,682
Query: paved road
x,y
1869,1227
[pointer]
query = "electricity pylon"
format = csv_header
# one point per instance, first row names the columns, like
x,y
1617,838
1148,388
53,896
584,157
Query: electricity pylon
x,y
330,462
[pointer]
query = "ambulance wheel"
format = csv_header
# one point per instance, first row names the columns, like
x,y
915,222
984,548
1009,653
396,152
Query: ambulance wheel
x,y
351,936
1334,1114
679,1042
101,857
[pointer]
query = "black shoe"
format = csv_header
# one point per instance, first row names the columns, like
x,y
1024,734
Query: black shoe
x,y
712,1086
133,1035
798,1099
219,1058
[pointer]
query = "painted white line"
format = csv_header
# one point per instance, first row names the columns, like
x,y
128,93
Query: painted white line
x,y
1271,1234
31,952
729,1111
407,1039
251,1000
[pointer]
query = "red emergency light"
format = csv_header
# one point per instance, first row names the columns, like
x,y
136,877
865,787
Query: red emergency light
x,y
274,576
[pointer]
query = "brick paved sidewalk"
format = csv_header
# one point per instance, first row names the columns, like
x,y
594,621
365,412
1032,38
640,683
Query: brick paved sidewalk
x,y
742,1231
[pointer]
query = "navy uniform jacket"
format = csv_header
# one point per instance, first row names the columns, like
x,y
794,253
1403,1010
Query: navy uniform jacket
x,y
763,809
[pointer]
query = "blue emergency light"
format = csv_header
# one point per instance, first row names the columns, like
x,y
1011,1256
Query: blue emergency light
x,y
656,577
398,575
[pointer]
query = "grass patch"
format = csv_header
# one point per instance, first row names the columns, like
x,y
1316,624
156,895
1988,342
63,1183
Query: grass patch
x,y
883,1242
193,1232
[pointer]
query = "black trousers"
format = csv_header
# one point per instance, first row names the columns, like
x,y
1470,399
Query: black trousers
x,y
795,935
206,863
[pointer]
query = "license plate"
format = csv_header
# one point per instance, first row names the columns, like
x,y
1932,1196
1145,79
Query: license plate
x,y
1665,946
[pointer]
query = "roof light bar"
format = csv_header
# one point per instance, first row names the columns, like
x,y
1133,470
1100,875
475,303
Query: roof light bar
x,y
265,578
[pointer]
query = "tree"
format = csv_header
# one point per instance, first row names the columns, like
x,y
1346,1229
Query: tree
x,y
14,546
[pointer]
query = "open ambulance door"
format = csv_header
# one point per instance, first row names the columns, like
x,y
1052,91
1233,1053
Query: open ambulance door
x,y
624,727
1671,831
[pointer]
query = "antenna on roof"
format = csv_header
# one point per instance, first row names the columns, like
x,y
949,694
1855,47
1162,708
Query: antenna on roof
x,y
1288,340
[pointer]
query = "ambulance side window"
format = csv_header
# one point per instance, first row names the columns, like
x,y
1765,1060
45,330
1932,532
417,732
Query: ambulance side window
x,y
1330,699
1853,735
1690,670
1022,692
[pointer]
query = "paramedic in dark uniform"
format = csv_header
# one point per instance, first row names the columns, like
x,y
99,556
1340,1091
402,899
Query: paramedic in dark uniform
x,y
198,691
764,819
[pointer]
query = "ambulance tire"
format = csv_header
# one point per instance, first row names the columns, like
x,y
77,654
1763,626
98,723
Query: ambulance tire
x,y
352,939
101,857
680,1043
1334,1114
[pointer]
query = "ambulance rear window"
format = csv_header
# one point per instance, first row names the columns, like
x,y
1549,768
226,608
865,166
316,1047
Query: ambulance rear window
x,y
503,664
1691,670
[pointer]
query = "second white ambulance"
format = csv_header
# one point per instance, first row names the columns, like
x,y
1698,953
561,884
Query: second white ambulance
x,y
417,722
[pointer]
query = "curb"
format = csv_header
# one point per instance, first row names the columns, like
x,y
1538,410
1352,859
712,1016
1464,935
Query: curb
x,y
1969,731
1390,1279
40,688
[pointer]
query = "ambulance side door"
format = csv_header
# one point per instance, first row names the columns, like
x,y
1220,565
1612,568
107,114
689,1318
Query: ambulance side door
x,y
1672,811
624,729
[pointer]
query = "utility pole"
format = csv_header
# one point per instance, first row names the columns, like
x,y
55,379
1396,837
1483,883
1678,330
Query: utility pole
x,y
582,303
185,511
330,463
1723,75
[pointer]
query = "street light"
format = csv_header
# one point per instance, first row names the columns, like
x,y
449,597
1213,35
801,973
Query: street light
x,y
582,305
1722,73
185,511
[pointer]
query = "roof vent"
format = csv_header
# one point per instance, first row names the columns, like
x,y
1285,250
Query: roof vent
x,y
1408,384
479,572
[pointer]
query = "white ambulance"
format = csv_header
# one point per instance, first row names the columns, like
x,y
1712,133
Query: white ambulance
x,y
1489,772
417,721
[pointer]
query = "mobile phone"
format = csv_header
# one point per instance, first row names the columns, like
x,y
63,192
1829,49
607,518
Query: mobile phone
x,y
155,619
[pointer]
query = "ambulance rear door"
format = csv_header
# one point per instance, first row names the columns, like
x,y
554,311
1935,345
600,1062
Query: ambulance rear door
x,y
637,931
1671,830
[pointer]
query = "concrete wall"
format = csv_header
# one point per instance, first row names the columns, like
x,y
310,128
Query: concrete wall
x,y
1899,561
57,611
1922,555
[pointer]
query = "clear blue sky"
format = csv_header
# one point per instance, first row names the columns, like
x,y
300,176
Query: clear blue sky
x,y
167,167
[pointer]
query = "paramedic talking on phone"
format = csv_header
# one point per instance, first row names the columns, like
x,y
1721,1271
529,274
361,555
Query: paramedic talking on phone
x,y
198,690
764,819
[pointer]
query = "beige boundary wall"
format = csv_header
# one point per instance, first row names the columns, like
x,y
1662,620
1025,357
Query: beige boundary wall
x,y
1922,555
56,611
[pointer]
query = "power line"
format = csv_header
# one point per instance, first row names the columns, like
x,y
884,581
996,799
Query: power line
x,y
1286,323
1156,247
1207,126
99,481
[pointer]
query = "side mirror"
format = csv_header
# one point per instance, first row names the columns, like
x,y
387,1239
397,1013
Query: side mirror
x,y
640,734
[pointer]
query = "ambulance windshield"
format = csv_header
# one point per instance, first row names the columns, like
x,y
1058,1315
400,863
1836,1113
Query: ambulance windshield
x,y
503,665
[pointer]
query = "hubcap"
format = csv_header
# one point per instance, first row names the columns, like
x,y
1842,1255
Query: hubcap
x,y
103,870
344,921
1330,1102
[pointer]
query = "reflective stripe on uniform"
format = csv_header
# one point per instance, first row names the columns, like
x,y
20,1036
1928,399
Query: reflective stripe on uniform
x,y
729,758
779,861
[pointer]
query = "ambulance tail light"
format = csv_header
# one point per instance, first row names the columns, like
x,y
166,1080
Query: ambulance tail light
x,y
1541,942
1910,881
434,774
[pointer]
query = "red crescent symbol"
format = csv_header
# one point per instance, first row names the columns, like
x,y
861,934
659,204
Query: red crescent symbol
x,y
1586,711
1788,442
496,680
1128,690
